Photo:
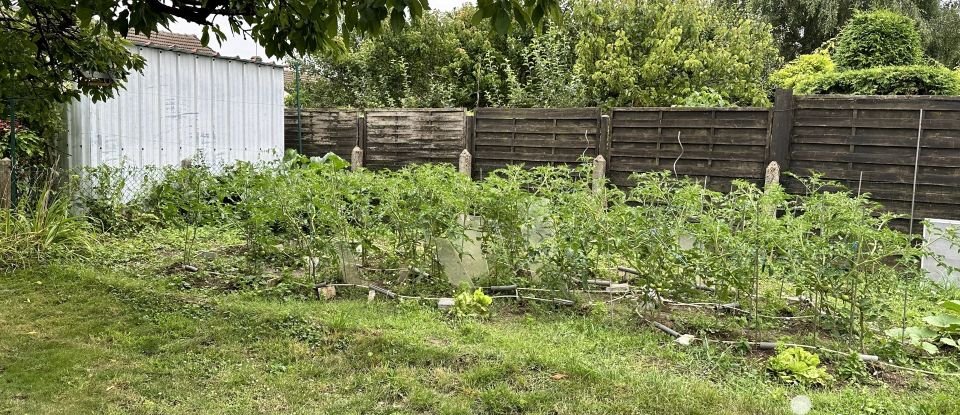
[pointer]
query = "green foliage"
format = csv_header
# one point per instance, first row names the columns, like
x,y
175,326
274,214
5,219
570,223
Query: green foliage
x,y
41,227
796,365
605,53
661,52
472,305
32,149
941,330
878,38
38,71
890,80
549,227
106,196
877,53
851,368
707,97
802,69
943,40
802,26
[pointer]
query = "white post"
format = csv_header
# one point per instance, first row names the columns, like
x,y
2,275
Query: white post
x,y
599,173
466,163
356,158
773,174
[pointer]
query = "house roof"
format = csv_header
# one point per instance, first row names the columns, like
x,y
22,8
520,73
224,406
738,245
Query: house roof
x,y
173,41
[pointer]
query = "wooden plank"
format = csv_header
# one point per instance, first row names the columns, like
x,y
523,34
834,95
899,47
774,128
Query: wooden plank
x,y
538,113
926,159
914,102
781,128
901,123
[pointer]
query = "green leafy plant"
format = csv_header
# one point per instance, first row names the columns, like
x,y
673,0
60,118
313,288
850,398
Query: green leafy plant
x,y
41,227
852,368
472,305
798,366
942,330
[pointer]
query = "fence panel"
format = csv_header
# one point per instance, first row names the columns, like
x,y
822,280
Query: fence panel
x,y
324,131
876,137
397,137
719,145
534,136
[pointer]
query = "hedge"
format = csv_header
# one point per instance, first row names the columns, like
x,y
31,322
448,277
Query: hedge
x,y
888,80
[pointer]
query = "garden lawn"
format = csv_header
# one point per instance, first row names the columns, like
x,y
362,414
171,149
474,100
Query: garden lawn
x,y
79,340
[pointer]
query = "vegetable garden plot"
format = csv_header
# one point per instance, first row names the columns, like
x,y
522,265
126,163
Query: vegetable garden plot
x,y
427,230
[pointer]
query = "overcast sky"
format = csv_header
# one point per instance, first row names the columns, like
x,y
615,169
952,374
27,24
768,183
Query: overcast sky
x,y
237,45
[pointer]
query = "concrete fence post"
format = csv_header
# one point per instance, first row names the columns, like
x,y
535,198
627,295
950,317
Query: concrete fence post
x,y
356,158
6,178
466,163
599,173
773,174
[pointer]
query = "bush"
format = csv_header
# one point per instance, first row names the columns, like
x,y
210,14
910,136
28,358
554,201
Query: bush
x,y
890,80
878,38
803,68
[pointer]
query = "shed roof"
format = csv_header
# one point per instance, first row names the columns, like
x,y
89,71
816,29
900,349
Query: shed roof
x,y
187,43
173,41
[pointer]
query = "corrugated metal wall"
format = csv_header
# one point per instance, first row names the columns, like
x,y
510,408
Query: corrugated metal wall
x,y
182,106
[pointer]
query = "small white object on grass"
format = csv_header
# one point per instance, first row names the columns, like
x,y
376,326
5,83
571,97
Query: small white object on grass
x,y
370,295
801,405
685,339
445,303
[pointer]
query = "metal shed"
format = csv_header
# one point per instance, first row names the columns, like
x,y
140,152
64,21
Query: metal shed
x,y
187,103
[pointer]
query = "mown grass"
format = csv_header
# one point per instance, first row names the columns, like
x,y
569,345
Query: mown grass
x,y
81,340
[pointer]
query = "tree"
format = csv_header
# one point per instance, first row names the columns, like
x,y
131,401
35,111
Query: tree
x,y
943,43
801,26
608,52
880,38
665,52
76,41
49,57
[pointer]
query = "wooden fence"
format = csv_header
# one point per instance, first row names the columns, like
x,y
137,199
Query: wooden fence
x,y
322,131
718,145
535,136
396,137
870,144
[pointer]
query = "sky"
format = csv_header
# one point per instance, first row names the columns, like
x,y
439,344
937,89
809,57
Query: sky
x,y
244,47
